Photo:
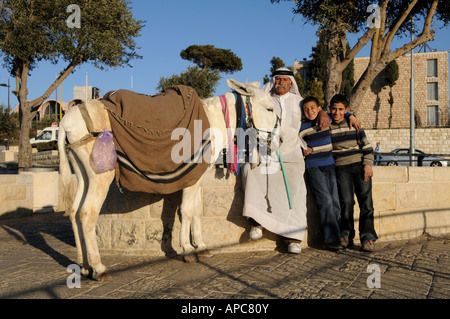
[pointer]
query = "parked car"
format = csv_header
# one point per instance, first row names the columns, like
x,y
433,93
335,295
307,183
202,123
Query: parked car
x,y
400,156
48,134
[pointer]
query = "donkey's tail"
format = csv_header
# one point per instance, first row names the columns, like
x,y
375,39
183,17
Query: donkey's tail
x,y
67,183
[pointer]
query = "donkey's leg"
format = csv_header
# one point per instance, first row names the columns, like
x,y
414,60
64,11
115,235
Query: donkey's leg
x,y
96,195
196,226
189,205
74,215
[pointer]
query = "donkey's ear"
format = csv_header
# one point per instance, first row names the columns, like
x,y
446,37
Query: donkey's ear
x,y
246,89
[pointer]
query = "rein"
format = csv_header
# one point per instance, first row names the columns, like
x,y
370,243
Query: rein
x,y
244,119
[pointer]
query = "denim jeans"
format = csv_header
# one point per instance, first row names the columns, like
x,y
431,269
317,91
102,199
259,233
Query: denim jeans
x,y
350,181
322,183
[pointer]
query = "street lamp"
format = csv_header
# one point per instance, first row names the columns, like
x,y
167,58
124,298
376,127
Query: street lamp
x,y
8,86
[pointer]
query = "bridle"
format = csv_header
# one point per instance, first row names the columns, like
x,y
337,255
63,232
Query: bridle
x,y
244,120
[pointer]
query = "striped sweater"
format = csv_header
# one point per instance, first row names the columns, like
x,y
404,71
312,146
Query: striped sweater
x,y
320,143
350,146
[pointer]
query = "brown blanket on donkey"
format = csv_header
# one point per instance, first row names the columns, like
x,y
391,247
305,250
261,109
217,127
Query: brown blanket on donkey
x,y
142,126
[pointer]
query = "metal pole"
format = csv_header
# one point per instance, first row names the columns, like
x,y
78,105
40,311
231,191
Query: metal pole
x,y
9,106
411,120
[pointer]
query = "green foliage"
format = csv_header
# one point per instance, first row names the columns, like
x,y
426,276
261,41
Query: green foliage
x,y
9,125
207,56
348,76
204,81
275,63
391,73
319,67
319,58
316,90
46,121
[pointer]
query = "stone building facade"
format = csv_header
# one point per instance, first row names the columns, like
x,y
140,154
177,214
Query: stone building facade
x,y
431,92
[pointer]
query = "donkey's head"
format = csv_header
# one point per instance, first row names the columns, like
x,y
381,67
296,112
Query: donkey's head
x,y
264,117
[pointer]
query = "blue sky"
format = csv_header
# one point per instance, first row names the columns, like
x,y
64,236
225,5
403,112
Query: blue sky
x,y
255,30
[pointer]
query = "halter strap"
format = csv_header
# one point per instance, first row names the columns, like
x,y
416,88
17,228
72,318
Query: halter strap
x,y
231,160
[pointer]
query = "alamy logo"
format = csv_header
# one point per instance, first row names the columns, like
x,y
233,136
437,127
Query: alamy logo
x,y
74,280
74,20
374,280
374,20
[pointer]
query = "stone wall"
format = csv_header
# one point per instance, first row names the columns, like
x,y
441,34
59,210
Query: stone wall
x,y
408,201
16,195
30,192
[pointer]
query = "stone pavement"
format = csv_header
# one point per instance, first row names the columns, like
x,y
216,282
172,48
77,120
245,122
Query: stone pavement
x,y
35,252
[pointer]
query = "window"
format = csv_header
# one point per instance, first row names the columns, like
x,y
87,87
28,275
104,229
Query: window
x,y
433,115
432,69
432,91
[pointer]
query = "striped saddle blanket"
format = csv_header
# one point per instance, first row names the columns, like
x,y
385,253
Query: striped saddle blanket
x,y
160,139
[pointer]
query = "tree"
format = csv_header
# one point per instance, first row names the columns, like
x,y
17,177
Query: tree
x,y
275,63
207,56
43,30
316,90
204,81
389,19
9,126
319,67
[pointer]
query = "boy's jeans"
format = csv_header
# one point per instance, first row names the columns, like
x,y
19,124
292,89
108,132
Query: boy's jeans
x,y
322,183
350,181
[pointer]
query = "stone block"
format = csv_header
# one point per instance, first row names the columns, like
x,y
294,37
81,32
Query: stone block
x,y
390,174
7,156
383,195
440,194
128,234
437,221
441,173
222,201
420,174
393,225
413,195
45,190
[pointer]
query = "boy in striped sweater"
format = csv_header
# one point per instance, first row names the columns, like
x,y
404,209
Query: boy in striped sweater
x,y
320,172
353,155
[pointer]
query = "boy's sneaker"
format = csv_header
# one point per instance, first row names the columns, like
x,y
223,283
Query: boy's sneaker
x,y
294,248
256,232
346,243
368,245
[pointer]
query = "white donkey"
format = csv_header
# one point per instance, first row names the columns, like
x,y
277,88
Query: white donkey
x,y
84,199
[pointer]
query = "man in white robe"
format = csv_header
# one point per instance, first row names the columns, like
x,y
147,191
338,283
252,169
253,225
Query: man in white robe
x,y
275,198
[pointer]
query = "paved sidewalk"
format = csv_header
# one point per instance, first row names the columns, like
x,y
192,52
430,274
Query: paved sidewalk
x,y
36,251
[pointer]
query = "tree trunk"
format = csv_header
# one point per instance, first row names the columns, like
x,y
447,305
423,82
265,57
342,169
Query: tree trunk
x,y
333,79
334,69
25,117
363,84
25,157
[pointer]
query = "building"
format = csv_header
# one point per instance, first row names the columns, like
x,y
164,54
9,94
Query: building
x,y
431,104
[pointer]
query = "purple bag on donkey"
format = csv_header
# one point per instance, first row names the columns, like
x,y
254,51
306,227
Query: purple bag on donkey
x,y
104,156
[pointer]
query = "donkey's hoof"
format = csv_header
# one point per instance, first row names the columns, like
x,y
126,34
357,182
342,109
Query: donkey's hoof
x,y
205,253
86,272
190,258
102,277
